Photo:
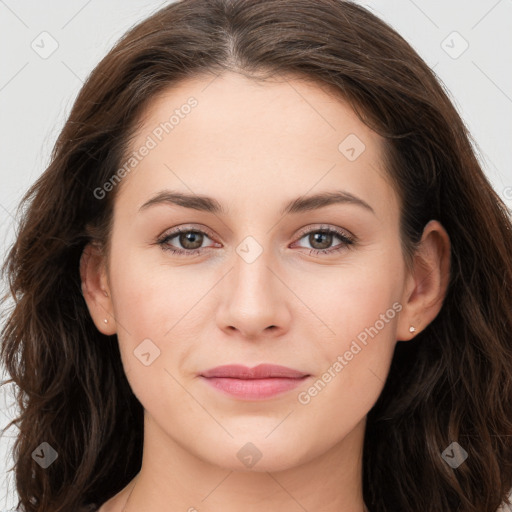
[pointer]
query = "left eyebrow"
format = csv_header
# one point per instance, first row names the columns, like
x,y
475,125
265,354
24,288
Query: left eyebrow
x,y
299,205
323,199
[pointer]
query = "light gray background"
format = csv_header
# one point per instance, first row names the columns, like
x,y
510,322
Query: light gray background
x,y
36,93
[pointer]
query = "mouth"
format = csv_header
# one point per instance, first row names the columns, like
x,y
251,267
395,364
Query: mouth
x,y
258,383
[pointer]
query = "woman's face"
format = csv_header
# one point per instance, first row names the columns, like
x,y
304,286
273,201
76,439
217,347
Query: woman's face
x,y
265,275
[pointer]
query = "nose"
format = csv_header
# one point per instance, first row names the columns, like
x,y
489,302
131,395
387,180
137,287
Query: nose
x,y
254,299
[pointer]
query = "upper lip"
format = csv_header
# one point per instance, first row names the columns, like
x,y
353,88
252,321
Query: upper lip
x,y
262,371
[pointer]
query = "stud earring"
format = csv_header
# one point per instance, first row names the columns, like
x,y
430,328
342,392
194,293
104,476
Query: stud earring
x,y
106,321
412,329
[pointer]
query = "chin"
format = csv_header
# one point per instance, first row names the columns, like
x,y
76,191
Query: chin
x,y
257,456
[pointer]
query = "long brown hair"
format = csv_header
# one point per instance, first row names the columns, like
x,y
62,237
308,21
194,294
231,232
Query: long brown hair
x,y
453,383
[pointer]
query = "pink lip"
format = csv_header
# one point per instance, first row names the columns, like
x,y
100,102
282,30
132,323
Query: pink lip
x,y
260,382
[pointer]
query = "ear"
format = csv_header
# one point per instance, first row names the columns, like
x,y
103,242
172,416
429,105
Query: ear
x,y
96,290
427,284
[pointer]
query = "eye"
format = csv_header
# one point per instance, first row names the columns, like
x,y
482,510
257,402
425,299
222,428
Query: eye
x,y
190,239
321,239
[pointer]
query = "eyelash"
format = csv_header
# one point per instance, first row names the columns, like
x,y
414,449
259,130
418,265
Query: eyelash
x,y
347,241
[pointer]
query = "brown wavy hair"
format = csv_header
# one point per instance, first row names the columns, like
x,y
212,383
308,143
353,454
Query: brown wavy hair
x,y
452,383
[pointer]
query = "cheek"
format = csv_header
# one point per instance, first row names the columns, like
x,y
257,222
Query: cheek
x,y
145,308
150,298
148,314
352,297
167,306
359,308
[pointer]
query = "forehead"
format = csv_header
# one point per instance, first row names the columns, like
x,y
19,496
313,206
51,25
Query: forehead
x,y
229,135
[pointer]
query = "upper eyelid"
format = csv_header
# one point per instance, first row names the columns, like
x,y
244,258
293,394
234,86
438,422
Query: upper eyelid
x,y
185,229
325,227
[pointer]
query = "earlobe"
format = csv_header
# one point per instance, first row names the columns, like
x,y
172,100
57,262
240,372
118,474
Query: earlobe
x,y
95,289
428,282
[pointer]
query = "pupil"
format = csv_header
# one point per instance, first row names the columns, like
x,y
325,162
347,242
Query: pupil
x,y
317,238
188,238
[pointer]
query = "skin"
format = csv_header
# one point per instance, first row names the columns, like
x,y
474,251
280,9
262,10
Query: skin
x,y
254,147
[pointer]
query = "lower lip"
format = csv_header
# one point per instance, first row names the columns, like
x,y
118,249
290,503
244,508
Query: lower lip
x,y
254,389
